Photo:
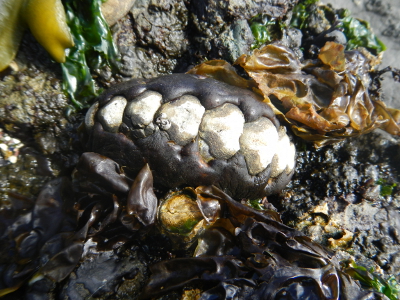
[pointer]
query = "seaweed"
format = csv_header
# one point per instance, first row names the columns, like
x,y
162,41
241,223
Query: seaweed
x,y
94,49
369,279
358,32
301,13
265,29
386,188
271,260
324,100
242,252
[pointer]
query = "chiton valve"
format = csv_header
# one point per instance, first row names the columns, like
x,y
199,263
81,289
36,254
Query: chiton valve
x,y
192,131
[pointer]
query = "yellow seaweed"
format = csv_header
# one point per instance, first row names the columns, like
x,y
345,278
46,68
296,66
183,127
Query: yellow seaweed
x,y
47,21
11,29
45,18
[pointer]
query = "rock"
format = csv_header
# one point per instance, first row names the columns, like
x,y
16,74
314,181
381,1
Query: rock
x,y
104,273
114,10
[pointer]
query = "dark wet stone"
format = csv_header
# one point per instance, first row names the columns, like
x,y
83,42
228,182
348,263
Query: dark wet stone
x,y
161,25
150,39
292,38
235,40
21,182
343,178
215,20
102,274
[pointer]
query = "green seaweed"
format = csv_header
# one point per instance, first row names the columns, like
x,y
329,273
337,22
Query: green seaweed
x,y
256,204
264,29
386,189
369,279
357,32
301,14
94,49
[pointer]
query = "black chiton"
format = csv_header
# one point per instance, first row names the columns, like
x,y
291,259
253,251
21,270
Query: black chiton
x,y
192,131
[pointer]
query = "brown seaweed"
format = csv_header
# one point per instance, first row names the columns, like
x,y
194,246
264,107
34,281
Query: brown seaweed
x,y
250,254
45,231
323,100
242,252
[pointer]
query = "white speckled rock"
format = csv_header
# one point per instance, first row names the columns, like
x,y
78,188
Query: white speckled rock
x,y
110,115
184,115
141,111
258,144
221,129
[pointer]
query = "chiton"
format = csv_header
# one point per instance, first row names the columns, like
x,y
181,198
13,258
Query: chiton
x,y
192,131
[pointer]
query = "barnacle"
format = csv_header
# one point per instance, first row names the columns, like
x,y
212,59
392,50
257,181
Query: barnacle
x,y
46,20
180,217
192,130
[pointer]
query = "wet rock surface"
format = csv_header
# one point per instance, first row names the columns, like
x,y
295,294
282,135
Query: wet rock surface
x,y
333,198
160,37
31,96
101,274
221,32
33,109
